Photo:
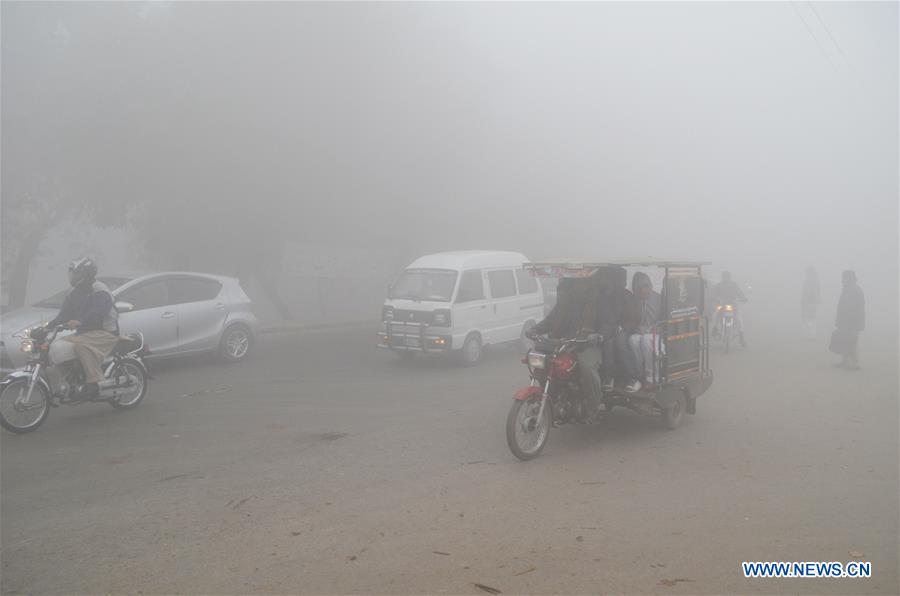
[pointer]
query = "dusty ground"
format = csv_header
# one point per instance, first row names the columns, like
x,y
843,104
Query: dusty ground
x,y
323,466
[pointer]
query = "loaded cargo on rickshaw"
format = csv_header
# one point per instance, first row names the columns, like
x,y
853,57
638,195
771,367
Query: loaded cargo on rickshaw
x,y
560,392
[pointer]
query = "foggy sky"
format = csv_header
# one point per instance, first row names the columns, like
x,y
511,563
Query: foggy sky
x,y
755,135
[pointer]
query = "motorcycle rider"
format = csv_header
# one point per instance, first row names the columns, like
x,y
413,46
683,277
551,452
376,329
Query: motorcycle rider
x,y
727,291
88,309
572,316
564,320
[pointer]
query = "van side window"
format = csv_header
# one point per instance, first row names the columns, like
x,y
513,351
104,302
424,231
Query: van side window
x,y
470,287
503,283
527,283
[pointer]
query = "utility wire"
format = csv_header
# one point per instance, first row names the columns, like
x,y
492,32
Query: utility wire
x,y
813,35
830,35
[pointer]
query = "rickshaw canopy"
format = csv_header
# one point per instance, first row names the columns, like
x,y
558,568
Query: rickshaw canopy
x,y
586,268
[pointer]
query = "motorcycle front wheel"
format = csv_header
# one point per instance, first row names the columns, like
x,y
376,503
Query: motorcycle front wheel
x,y
23,418
525,434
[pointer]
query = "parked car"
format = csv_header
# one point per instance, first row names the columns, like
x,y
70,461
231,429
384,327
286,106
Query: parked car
x,y
179,313
460,302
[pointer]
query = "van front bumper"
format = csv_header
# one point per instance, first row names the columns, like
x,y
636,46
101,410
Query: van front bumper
x,y
406,337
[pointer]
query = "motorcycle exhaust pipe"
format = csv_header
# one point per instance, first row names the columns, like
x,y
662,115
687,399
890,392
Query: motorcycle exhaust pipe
x,y
108,386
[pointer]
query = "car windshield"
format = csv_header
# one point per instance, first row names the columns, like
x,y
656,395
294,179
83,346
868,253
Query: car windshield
x,y
425,284
56,300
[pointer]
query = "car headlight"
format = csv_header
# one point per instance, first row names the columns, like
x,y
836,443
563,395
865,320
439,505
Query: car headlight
x,y
537,360
27,346
441,318
23,334
387,313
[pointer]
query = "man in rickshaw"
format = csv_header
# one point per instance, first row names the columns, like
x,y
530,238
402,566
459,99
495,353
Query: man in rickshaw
x,y
643,342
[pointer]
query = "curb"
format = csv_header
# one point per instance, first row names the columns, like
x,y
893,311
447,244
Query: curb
x,y
299,328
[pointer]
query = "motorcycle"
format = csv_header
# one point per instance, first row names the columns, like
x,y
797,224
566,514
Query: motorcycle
x,y
554,397
26,396
727,328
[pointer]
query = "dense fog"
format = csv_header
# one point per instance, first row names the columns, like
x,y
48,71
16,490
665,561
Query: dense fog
x,y
761,137
313,150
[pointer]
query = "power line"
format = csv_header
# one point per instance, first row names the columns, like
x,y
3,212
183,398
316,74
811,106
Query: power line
x,y
813,35
828,31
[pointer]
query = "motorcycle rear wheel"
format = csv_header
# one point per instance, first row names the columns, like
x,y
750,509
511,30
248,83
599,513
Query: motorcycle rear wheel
x,y
135,394
525,434
13,420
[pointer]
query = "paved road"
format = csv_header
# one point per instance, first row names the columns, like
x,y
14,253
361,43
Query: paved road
x,y
323,466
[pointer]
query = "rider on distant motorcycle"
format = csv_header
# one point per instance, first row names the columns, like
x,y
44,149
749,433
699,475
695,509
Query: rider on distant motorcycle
x,y
728,291
88,309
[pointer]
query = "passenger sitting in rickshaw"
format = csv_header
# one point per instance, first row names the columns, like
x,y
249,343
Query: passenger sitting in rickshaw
x,y
612,303
643,343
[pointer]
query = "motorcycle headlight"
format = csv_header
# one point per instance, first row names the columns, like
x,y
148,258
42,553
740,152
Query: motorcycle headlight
x,y
27,346
537,360
728,308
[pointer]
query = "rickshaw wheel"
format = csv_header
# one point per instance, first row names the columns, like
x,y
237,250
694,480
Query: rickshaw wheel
x,y
673,414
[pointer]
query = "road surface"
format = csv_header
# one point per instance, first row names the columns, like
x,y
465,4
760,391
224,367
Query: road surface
x,y
325,466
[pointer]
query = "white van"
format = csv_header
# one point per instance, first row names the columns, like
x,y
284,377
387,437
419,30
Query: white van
x,y
460,302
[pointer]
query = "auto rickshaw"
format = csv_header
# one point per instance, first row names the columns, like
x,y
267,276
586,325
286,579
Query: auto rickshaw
x,y
681,370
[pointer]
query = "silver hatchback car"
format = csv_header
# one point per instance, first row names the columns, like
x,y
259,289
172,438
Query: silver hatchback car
x,y
178,312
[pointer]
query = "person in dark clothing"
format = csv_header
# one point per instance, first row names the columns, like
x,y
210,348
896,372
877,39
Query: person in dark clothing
x,y
810,298
615,311
728,291
573,316
88,309
564,320
849,323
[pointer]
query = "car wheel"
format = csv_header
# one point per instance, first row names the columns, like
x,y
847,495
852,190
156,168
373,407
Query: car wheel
x,y
470,354
236,343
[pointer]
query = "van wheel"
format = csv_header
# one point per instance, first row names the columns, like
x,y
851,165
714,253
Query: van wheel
x,y
526,344
470,353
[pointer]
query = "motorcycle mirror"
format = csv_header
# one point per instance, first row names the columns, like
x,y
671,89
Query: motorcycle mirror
x,y
124,307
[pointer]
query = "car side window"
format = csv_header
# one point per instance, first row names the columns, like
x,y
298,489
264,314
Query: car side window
x,y
527,283
471,287
503,283
183,290
152,294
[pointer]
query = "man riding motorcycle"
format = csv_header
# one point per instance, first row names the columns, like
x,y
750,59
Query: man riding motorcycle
x,y
88,309
728,291
575,315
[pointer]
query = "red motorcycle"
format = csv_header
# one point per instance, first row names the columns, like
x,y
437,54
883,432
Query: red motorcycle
x,y
554,397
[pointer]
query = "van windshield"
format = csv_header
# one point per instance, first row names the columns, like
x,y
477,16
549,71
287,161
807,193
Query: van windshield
x,y
425,284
